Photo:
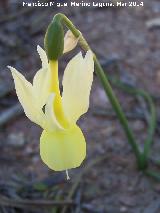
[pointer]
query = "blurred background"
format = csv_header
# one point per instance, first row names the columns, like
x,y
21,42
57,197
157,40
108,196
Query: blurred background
x,y
127,43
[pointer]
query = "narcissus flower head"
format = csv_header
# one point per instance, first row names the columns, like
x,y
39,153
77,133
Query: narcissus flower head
x,y
62,143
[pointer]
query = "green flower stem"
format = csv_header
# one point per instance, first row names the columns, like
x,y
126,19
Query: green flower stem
x,y
106,85
115,104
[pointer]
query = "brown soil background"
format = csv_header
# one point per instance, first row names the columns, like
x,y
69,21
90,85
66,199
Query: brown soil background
x,y
113,185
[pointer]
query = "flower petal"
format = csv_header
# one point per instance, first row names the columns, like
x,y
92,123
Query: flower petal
x,y
27,99
41,86
77,81
41,81
43,56
50,113
70,41
62,150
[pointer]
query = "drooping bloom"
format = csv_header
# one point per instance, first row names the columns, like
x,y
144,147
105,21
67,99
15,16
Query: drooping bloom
x,y
62,143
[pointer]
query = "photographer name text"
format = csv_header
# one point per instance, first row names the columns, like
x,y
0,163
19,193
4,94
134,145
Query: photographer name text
x,y
84,4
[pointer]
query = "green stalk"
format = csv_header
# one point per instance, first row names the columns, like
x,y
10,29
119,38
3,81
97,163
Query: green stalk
x,y
116,106
107,87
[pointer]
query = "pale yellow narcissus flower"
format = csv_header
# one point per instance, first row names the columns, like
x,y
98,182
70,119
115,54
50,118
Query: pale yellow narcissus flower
x,y
70,41
62,143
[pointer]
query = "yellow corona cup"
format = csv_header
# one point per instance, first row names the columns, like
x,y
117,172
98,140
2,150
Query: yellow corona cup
x,y
62,143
